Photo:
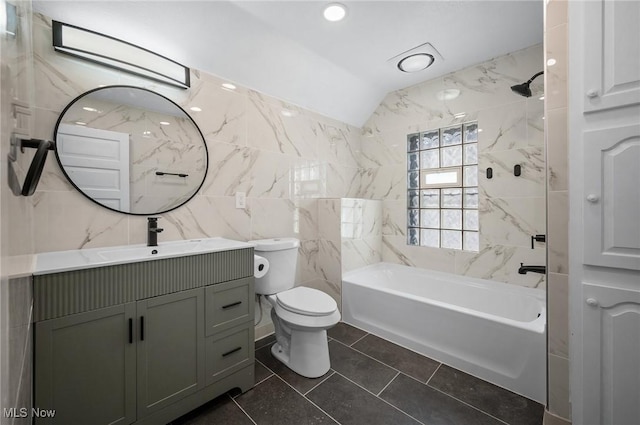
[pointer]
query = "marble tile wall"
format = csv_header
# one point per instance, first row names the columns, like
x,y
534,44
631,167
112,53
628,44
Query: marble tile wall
x,y
361,233
16,216
283,157
512,132
558,207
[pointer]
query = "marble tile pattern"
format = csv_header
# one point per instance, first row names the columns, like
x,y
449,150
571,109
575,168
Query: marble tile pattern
x,y
361,231
511,208
284,158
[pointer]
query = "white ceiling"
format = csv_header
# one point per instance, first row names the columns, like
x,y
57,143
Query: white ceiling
x,y
286,49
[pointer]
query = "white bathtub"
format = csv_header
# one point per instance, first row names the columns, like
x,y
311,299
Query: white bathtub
x,y
491,330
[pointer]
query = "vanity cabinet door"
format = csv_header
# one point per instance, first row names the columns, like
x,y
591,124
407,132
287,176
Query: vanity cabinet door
x,y
85,367
170,349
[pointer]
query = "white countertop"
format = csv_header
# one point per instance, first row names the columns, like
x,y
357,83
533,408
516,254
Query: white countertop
x,y
63,261
20,266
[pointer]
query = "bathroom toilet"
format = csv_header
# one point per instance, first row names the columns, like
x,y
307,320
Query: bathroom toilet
x,y
301,315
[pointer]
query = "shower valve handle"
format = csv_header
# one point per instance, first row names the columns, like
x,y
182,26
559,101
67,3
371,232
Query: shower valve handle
x,y
592,93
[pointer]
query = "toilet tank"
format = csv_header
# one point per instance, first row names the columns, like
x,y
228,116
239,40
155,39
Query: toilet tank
x,y
282,255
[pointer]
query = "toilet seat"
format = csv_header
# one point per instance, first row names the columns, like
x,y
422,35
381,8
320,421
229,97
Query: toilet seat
x,y
306,301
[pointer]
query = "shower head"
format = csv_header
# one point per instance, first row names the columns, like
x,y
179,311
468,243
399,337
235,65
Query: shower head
x,y
524,89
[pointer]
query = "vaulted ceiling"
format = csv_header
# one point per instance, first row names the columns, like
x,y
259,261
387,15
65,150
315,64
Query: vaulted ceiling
x,y
288,50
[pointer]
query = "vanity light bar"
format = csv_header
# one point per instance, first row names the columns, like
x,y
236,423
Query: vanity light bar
x,y
118,54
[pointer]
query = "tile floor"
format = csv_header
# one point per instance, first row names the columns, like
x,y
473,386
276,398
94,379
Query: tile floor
x,y
371,381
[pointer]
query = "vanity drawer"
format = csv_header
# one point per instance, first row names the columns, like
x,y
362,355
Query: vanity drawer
x,y
228,304
229,352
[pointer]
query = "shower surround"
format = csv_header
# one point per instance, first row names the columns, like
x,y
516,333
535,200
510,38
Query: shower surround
x,y
511,208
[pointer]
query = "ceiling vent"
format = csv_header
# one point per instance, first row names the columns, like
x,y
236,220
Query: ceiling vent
x,y
416,59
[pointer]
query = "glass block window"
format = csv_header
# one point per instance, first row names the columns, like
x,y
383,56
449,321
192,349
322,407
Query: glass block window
x,y
442,188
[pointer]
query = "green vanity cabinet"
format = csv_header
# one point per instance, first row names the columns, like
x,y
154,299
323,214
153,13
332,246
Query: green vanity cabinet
x,y
152,353
170,349
85,367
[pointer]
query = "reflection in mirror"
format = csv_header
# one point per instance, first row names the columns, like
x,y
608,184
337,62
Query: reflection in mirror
x,y
131,150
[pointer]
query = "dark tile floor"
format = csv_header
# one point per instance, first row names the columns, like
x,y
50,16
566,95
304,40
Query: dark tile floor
x,y
372,381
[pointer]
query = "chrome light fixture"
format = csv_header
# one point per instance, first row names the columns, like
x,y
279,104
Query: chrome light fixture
x,y
118,54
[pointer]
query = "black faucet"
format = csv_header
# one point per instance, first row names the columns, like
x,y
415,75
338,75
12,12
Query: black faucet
x,y
534,269
152,231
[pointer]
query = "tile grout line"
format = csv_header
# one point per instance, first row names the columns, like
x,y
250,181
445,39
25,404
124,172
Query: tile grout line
x,y
244,411
379,398
385,364
357,340
257,383
467,404
316,386
457,399
388,383
304,397
367,355
432,375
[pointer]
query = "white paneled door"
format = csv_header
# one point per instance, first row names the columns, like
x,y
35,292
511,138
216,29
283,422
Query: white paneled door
x,y
97,161
612,197
604,251
611,36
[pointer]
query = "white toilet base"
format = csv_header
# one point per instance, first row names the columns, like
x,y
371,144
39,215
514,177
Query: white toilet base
x,y
308,354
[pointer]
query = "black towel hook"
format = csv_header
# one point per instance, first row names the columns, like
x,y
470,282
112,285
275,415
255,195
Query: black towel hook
x,y
32,178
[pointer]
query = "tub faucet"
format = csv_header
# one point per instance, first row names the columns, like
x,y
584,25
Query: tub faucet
x,y
152,231
534,269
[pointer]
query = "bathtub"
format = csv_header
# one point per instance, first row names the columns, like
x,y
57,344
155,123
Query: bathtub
x,y
491,330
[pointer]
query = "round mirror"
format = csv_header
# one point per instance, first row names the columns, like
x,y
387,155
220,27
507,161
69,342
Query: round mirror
x,y
131,150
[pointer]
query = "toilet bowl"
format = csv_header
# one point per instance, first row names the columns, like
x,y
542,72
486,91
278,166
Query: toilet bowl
x,y
301,315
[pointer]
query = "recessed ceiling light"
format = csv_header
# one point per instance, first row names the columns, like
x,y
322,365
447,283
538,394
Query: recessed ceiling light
x,y
164,123
541,98
551,62
448,94
479,130
335,12
195,109
416,62
228,86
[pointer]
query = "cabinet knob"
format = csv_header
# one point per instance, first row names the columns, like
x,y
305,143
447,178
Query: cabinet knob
x,y
592,302
593,198
592,93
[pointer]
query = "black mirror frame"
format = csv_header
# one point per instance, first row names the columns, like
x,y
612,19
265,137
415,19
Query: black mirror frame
x,y
55,138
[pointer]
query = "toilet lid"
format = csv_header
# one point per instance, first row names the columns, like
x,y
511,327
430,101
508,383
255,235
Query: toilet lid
x,y
307,301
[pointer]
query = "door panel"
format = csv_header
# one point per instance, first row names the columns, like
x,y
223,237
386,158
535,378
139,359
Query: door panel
x,y
612,69
86,367
611,321
612,197
97,161
170,349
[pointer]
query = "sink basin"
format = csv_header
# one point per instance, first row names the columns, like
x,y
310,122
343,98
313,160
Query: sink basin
x,y
162,250
55,262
